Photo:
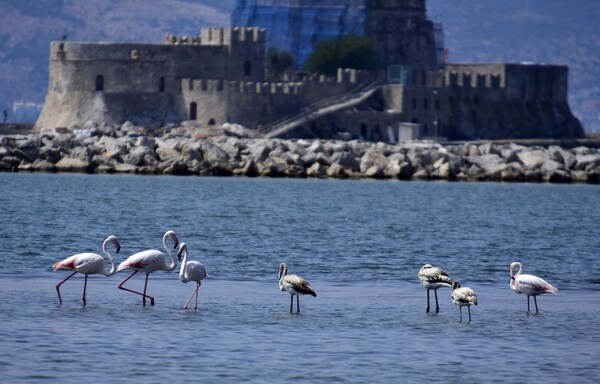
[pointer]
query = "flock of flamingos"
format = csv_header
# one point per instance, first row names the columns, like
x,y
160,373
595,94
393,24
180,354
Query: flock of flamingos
x,y
151,260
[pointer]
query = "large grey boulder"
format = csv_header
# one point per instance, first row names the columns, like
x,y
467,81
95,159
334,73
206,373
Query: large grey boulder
x,y
492,165
373,159
213,153
533,159
584,160
562,156
69,164
346,160
140,156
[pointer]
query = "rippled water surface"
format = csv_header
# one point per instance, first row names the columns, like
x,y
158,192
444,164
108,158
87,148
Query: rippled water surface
x,y
359,243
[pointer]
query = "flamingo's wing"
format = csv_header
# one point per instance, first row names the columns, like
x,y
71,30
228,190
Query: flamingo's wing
x,y
298,284
66,264
89,263
434,275
530,284
464,295
151,259
194,270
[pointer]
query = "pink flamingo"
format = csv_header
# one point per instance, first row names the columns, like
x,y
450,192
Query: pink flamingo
x,y
529,285
88,264
191,271
149,261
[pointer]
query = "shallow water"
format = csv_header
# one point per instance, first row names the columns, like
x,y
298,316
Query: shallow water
x,y
359,243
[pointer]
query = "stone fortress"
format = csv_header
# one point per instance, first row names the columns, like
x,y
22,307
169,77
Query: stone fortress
x,y
219,77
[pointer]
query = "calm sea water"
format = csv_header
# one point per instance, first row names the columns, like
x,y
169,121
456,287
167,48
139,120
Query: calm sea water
x,y
359,243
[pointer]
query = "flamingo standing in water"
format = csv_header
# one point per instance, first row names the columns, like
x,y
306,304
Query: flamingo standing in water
x,y
88,264
433,278
529,285
295,285
190,271
149,261
462,297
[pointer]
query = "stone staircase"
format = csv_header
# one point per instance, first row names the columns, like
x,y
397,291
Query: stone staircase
x,y
320,109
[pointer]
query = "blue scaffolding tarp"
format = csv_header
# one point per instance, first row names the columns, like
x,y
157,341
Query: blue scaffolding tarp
x,y
296,25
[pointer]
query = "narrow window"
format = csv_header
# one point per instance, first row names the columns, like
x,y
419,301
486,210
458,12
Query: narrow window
x,y
211,121
99,83
247,68
426,104
414,104
161,84
437,104
193,110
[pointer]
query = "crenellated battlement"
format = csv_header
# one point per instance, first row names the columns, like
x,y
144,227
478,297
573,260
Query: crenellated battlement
x,y
242,87
230,36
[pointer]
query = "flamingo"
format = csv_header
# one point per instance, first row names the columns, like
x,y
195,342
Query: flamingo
x,y
149,261
88,264
295,285
464,296
190,271
433,278
529,285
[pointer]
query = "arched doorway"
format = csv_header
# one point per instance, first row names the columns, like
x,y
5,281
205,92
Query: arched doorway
x,y
363,131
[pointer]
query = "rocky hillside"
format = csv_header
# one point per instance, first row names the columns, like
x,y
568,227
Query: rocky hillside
x,y
479,31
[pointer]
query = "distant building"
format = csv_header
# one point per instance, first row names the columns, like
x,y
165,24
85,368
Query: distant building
x,y
219,77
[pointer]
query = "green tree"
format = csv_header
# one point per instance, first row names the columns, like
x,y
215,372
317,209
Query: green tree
x,y
279,61
350,51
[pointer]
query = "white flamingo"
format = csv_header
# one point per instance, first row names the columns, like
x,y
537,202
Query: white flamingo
x,y
191,271
529,285
149,261
295,286
88,264
464,296
433,278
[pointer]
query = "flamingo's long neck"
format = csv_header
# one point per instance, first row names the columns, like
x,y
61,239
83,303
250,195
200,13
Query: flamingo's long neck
x,y
113,267
173,263
182,275
282,272
513,276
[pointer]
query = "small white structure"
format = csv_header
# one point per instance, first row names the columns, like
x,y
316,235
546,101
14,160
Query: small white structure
x,y
408,132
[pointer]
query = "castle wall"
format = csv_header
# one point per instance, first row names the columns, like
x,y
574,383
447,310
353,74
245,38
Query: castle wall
x,y
498,101
116,82
256,104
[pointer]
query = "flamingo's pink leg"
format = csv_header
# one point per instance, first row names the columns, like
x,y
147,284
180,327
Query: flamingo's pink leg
x,y
136,292
59,284
197,289
144,296
84,288
190,299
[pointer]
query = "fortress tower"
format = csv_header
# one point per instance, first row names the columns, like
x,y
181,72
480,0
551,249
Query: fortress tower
x,y
403,33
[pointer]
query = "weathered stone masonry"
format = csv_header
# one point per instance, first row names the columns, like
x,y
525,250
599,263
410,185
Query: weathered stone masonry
x,y
218,77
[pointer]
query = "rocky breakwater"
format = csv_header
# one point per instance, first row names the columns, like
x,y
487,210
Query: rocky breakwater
x,y
235,151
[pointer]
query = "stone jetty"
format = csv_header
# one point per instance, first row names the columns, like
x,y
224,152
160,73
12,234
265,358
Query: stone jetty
x,y
234,151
